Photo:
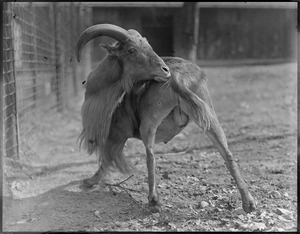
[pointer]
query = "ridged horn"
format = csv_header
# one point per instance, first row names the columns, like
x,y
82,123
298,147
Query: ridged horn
x,y
110,30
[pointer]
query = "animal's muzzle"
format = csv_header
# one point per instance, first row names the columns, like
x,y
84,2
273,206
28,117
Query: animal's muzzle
x,y
163,77
166,70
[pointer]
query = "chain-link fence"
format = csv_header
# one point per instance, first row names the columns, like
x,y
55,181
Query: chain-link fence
x,y
40,70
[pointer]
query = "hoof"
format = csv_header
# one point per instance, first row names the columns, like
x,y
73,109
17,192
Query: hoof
x,y
154,207
249,206
88,183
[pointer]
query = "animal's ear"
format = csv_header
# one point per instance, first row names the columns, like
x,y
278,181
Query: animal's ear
x,y
109,49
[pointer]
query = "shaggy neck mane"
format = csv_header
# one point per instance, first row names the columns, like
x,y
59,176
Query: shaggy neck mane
x,y
104,91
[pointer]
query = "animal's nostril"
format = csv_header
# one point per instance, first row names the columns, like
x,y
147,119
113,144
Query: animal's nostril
x,y
165,69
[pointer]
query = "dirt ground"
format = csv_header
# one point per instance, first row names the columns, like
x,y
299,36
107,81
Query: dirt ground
x,y
256,106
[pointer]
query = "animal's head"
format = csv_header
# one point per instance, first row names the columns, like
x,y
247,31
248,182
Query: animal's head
x,y
137,57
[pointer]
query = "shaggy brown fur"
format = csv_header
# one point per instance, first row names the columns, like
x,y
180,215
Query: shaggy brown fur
x,y
103,95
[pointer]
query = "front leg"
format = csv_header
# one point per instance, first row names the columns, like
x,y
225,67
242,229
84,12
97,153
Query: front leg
x,y
148,137
148,128
155,106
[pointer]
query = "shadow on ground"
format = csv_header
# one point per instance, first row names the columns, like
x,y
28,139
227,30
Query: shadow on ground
x,y
55,209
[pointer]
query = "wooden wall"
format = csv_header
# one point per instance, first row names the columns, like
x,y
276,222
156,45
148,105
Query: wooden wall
x,y
224,33
246,33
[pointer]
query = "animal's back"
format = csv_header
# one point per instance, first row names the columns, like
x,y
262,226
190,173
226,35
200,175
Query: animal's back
x,y
183,66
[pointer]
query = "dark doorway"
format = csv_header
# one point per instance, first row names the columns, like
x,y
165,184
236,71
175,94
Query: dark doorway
x,y
158,29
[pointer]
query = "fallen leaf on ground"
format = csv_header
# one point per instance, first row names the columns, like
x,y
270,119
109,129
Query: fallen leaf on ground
x,y
173,226
21,221
281,211
203,204
285,194
97,213
275,194
165,175
198,222
257,226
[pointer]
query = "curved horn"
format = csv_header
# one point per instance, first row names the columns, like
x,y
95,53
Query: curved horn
x,y
98,30
134,33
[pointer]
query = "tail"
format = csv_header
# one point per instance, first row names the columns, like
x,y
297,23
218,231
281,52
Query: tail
x,y
194,106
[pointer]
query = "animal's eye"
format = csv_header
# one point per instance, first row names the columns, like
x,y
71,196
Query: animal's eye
x,y
131,50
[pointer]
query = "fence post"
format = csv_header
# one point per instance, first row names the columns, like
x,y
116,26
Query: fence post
x,y
81,28
56,14
73,35
1,100
88,57
11,128
33,57
190,33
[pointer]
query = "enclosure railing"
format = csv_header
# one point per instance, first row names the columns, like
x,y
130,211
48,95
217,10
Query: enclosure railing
x,y
40,72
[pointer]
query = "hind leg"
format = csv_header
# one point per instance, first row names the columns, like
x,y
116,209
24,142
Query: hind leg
x,y
217,136
95,179
113,152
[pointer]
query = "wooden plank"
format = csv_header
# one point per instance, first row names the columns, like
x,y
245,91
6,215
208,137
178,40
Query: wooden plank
x,y
133,4
189,35
278,5
283,5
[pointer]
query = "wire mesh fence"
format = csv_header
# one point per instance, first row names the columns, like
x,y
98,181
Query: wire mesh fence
x,y
39,68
